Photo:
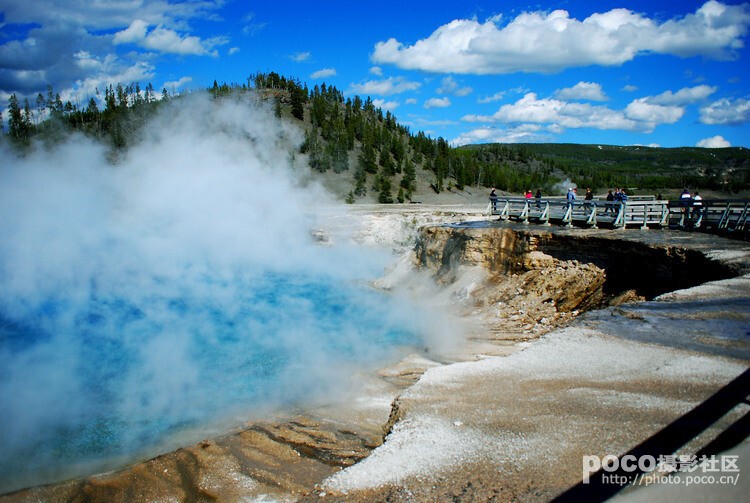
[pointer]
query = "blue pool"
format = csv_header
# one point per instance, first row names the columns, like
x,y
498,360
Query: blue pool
x,y
123,370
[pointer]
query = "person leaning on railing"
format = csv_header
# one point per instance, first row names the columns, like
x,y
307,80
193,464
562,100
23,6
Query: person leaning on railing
x,y
493,199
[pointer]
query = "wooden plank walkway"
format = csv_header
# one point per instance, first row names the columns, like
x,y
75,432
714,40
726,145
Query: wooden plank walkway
x,y
727,215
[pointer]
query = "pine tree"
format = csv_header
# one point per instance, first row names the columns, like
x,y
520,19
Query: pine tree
x,y
27,114
16,127
122,97
298,96
50,99
385,196
441,168
409,180
109,98
384,160
360,182
367,159
92,107
59,108
41,104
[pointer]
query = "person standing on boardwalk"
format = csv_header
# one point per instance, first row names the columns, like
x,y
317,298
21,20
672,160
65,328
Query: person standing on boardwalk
x,y
685,198
610,202
697,203
686,201
588,197
571,196
538,197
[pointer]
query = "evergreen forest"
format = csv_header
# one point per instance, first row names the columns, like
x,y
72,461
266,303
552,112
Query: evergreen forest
x,y
383,158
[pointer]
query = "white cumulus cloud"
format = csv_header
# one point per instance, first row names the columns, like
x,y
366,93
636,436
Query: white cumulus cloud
x,y
714,142
495,97
385,105
134,33
500,135
726,112
644,111
322,74
299,57
175,86
550,42
76,45
685,96
639,116
437,103
169,41
450,86
165,40
582,91
385,87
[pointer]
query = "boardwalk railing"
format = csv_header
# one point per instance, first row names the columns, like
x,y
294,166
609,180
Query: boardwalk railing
x,y
715,214
644,213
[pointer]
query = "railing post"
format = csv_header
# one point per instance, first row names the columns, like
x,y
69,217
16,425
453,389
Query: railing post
x,y
524,217
743,219
725,217
568,217
664,215
506,208
591,220
620,219
545,214
644,227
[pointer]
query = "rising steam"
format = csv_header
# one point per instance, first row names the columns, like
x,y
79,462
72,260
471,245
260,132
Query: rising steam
x,y
171,288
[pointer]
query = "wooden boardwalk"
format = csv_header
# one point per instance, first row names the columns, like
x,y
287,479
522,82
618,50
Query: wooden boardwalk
x,y
727,215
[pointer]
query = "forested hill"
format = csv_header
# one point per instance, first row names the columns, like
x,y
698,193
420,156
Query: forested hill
x,y
646,168
364,153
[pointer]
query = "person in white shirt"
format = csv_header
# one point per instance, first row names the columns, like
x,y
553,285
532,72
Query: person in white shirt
x,y
697,204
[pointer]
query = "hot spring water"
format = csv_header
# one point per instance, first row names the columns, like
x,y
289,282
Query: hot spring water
x,y
118,375
172,289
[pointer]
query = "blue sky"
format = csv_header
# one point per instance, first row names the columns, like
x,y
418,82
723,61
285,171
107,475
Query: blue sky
x,y
624,73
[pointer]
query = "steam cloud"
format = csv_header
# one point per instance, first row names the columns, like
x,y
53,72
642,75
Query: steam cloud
x,y
171,288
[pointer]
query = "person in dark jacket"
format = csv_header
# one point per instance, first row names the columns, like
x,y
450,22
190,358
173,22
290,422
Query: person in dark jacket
x,y
610,202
